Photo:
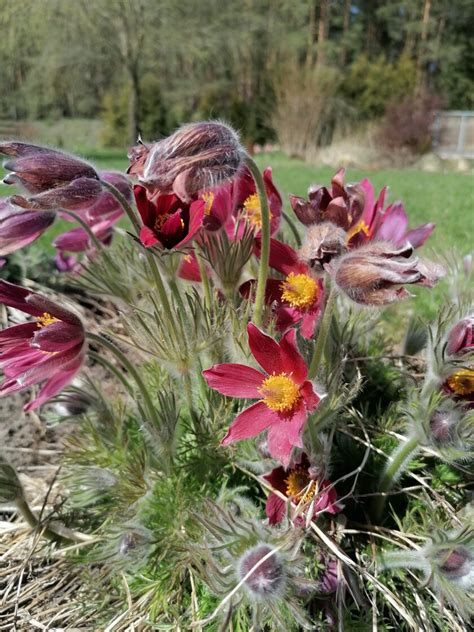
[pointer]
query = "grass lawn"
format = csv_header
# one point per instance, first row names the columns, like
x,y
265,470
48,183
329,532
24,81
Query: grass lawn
x,y
444,198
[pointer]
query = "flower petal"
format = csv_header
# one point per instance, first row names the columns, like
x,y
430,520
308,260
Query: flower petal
x,y
420,234
148,237
251,422
235,380
265,350
275,508
292,360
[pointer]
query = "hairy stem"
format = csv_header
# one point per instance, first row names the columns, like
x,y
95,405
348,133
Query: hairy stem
x,y
320,345
265,242
394,469
57,533
122,200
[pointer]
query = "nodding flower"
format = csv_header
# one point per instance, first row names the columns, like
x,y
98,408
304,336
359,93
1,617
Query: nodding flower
x,y
197,157
53,178
376,273
50,350
20,227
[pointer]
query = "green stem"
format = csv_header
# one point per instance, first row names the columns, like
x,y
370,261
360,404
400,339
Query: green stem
x,y
97,243
322,334
394,469
127,207
122,358
160,286
59,533
293,228
205,281
265,242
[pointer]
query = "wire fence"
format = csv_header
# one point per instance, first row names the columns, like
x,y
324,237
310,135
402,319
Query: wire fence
x,y
453,134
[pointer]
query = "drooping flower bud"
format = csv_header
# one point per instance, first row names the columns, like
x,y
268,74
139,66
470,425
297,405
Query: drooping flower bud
x,y
19,227
39,169
197,157
267,578
456,564
461,337
442,424
374,274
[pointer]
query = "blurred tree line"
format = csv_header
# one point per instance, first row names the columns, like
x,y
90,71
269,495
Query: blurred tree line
x,y
296,68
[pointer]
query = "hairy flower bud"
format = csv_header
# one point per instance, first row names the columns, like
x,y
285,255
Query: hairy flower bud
x,y
39,169
198,156
442,424
267,577
456,563
19,227
323,242
461,337
374,274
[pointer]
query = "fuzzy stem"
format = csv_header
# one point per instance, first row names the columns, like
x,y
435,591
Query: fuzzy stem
x,y
205,281
322,334
60,534
122,358
97,243
160,286
293,228
393,470
121,199
265,241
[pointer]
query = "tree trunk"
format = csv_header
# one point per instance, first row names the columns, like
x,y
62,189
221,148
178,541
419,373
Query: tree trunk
x,y
425,20
312,33
346,18
133,106
323,28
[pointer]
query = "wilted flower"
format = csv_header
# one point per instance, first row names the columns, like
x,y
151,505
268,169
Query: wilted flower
x,y
168,221
197,157
262,571
322,243
51,349
285,395
296,298
461,337
374,274
20,227
301,488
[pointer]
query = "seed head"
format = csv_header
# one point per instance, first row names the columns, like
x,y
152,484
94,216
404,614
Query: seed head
x,y
267,578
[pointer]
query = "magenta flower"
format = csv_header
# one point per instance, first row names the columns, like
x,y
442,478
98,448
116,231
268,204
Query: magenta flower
x,y
50,350
246,202
19,227
168,221
298,297
285,395
301,488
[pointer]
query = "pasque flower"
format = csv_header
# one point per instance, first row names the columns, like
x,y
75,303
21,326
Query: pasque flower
x,y
20,227
285,395
54,179
354,210
48,351
460,337
197,157
376,273
300,487
168,221
298,297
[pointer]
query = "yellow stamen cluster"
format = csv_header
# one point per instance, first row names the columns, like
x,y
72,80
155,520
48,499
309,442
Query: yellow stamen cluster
x,y
462,382
279,392
46,319
299,290
252,211
300,486
208,197
161,219
359,227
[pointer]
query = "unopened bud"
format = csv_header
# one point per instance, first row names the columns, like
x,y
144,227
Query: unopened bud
x,y
442,425
197,157
456,563
461,337
267,577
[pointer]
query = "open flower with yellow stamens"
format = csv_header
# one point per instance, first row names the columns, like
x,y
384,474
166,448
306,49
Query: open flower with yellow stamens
x,y
353,208
460,385
301,488
285,395
168,221
49,350
298,297
246,202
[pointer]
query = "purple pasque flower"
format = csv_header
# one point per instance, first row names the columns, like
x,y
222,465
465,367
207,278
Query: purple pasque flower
x,y
197,157
48,351
460,337
20,227
376,273
54,179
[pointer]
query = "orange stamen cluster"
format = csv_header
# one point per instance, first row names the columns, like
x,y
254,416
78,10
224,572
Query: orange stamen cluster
x,y
46,319
462,382
300,486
